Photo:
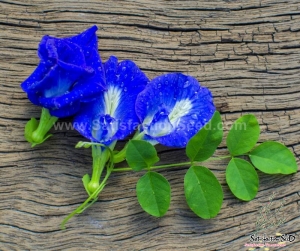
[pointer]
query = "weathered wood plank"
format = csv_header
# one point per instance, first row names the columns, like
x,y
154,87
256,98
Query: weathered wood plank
x,y
246,52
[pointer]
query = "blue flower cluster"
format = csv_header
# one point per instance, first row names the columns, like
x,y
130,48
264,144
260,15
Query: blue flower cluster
x,y
70,72
111,100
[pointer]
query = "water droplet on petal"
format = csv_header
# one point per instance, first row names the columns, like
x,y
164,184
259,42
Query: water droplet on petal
x,y
194,116
186,84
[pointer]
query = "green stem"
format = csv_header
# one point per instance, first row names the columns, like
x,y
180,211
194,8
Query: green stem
x,y
99,160
124,169
93,197
218,158
84,205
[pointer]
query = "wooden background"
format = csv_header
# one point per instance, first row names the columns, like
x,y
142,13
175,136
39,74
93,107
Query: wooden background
x,y
246,52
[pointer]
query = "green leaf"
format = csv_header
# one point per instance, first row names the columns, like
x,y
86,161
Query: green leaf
x,y
273,157
203,192
242,179
154,193
203,145
243,135
140,154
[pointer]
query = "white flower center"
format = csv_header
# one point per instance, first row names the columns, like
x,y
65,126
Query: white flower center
x,y
112,99
165,125
180,109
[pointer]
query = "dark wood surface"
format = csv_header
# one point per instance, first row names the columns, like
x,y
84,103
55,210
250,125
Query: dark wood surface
x,y
246,52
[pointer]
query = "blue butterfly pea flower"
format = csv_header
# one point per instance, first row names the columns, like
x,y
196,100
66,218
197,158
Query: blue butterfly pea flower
x,y
111,116
173,108
70,72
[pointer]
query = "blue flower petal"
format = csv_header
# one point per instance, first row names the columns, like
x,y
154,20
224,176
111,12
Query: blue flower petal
x,y
62,51
64,80
55,80
39,73
188,107
37,89
87,40
124,81
44,91
85,89
34,97
88,89
66,111
68,55
42,50
88,116
98,78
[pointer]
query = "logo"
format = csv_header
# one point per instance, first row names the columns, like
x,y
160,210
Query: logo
x,y
269,219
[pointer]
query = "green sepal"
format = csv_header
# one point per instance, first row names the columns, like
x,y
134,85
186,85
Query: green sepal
x,y
85,180
81,144
30,127
36,132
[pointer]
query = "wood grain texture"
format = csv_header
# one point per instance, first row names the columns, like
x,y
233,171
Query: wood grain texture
x,y
246,52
